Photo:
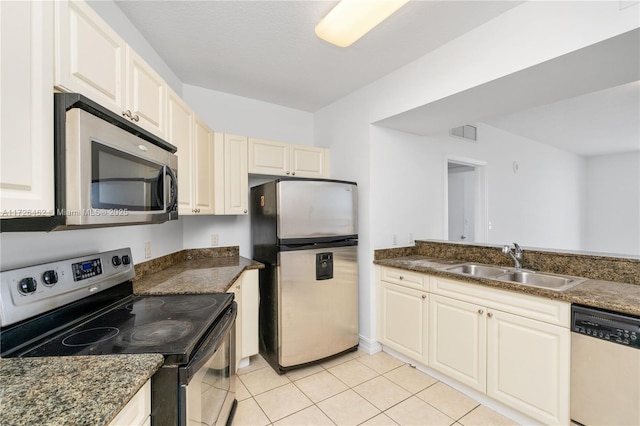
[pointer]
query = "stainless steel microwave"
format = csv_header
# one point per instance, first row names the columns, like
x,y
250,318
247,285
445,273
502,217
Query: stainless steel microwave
x,y
108,171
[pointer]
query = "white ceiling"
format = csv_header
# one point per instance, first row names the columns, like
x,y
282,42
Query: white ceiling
x,y
268,50
603,122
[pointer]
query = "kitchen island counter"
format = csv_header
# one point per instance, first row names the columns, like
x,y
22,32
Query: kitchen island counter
x,y
74,390
194,271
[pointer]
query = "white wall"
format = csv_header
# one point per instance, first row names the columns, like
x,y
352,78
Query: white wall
x,y
524,36
613,203
228,113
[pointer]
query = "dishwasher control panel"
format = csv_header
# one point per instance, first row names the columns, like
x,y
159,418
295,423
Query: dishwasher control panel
x,y
605,325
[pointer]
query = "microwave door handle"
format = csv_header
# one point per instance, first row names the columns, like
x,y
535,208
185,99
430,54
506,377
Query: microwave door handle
x,y
160,188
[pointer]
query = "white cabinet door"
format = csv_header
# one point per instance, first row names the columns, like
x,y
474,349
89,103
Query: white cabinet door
x,y
236,289
146,95
402,320
457,340
250,307
90,56
268,157
529,366
202,172
26,109
309,161
180,133
138,409
236,177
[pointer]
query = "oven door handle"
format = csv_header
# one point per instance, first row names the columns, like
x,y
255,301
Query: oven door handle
x,y
209,346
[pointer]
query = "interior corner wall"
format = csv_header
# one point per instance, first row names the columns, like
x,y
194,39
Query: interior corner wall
x,y
613,204
227,113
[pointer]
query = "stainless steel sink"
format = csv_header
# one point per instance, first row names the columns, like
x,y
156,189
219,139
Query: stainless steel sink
x,y
476,270
541,280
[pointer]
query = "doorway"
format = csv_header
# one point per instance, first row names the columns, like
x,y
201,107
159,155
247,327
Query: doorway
x,y
465,207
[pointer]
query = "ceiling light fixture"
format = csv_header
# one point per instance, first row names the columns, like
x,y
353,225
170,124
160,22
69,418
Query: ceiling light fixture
x,y
351,19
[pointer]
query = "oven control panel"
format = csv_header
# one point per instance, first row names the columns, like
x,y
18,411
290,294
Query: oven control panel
x,y
615,328
33,290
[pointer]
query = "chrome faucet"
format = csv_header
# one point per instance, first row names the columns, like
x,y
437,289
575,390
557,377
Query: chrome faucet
x,y
515,254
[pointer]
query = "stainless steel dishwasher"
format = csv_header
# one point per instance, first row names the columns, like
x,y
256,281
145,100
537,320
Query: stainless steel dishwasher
x,y
605,367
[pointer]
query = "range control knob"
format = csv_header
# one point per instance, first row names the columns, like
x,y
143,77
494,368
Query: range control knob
x,y
50,277
126,259
115,260
28,285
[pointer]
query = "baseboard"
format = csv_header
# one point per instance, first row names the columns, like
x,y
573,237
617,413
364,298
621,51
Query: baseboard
x,y
370,346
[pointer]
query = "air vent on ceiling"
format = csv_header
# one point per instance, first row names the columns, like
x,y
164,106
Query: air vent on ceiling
x,y
466,132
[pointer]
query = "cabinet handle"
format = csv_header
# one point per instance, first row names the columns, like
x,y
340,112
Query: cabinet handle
x,y
424,296
127,113
245,210
136,118
489,314
480,311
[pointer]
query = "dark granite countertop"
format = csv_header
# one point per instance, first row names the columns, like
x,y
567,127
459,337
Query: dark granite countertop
x,y
76,390
195,275
615,296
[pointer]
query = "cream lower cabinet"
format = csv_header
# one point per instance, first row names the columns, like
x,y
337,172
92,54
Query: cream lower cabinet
x,y
247,298
282,159
404,316
513,347
137,412
26,109
457,334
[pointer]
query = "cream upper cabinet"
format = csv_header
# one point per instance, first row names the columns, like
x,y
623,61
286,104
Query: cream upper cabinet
x,y
93,60
146,95
90,56
236,177
457,340
195,154
403,320
309,161
283,159
26,109
528,366
202,172
231,176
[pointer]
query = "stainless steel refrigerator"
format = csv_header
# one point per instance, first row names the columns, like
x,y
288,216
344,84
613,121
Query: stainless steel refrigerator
x,y
305,231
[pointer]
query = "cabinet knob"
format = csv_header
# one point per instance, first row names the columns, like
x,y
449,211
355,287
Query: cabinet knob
x,y
245,210
401,277
480,311
136,118
238,287
293,174
489,314
424,296
127,113
287,172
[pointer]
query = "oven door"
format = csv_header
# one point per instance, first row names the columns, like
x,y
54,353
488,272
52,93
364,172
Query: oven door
x,y
115,177
207,389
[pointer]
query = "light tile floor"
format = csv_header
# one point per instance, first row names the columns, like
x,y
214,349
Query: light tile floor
x,y
354,389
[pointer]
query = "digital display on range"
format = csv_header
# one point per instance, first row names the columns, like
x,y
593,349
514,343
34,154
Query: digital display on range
x,y
86,269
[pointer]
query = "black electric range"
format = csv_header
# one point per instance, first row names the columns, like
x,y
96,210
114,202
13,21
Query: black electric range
x,y
86,306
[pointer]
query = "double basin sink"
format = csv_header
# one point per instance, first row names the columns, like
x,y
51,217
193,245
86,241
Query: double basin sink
x,y
518,276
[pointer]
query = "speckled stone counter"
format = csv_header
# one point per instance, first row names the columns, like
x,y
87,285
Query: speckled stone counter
x,y
78,390
616,296
198,271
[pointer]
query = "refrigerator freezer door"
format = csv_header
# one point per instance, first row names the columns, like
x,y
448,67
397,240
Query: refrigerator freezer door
x,y
316,209
318,315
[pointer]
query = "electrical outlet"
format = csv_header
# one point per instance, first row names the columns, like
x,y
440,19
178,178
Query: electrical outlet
x,y
147,250
214,240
